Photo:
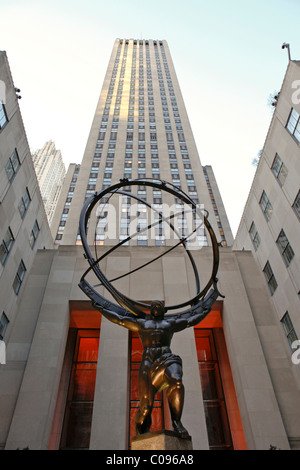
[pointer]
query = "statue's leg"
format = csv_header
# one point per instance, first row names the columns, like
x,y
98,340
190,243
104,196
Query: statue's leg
x,y
146,395
175,395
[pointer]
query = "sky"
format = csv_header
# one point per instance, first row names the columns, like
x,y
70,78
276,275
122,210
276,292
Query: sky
x,y
227,56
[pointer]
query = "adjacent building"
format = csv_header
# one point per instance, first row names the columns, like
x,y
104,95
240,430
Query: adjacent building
x,y
70,381
24,227
50,172
270,225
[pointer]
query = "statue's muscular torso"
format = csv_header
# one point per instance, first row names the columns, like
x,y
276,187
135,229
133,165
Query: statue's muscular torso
x,y
155,337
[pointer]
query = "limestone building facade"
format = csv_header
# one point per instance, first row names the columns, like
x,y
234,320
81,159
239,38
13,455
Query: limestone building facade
x,y
24,227
270,224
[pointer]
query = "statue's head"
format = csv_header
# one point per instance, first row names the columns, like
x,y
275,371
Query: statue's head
x,y
157,309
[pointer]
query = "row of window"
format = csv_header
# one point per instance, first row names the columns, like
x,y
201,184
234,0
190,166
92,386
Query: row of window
x,y
6,246
68,201
182,224
140,42
18,281
91,186
282,242
142,238
286,320
279,169
280,172
289,329
4,321
8,241
293,124
169,135
154,152
215,207
19,278
12,166
24,203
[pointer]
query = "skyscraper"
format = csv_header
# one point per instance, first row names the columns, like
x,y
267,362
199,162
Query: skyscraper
x,y
140,130
76,380
50,171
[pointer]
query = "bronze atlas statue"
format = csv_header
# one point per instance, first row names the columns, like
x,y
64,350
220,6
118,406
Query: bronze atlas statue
x,y
160,369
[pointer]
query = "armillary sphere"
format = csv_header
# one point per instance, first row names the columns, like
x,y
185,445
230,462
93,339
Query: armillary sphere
x,y
203,298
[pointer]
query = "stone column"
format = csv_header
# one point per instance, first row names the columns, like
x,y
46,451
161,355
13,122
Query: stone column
x,y
110,421
33,415
110,412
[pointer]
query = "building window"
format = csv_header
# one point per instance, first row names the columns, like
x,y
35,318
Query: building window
x,y
272,283
12,166
254,236
285,248
6,245
296,205
24,203
279,169
288,328
19,277
3,116
293,124
4,321
266,206
142,242
34,234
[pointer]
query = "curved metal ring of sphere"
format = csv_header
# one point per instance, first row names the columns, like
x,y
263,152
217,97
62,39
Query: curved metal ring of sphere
x,y
138,308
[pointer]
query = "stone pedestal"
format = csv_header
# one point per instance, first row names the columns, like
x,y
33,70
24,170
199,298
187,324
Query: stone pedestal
x,y
161,440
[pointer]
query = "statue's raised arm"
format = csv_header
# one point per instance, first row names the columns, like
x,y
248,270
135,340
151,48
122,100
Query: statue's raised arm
x,y
196,313
126,320
123,317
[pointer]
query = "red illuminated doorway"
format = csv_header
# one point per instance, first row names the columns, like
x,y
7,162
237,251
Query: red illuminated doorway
x,y
223,420
80,399
217,423
77,381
